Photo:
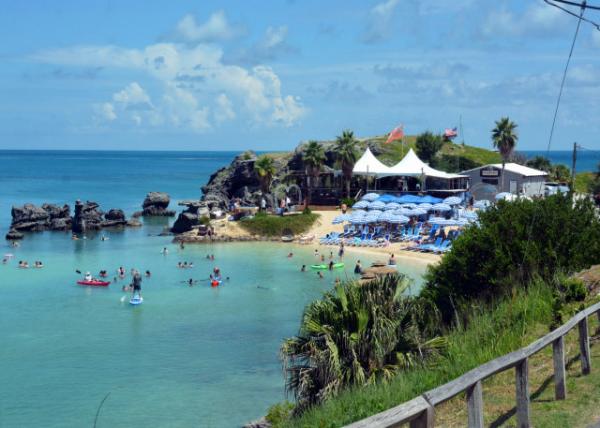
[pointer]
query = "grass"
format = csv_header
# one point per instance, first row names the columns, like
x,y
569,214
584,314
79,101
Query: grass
x,y
513,324
274,225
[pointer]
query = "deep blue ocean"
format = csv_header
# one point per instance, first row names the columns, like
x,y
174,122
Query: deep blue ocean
x,y
587,160
187,357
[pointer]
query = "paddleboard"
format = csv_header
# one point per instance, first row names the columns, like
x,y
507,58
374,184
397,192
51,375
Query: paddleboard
x,y
323,267
136,300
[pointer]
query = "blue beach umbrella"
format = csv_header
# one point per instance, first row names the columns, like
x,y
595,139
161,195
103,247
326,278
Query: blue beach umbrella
x,y
358,220
377,205
452,200
419,211
370,197
482,204
409,205
341,218
399,219
392,206
425,206
441,207
361,204
358,213
470,215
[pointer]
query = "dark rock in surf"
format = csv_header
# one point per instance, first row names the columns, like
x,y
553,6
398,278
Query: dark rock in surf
x,y
115,215
14,235
156,204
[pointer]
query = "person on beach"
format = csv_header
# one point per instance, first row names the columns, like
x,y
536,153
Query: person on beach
x,y
263,204
303,268
392,260
358,268
137,284
341,250
316,253
330,255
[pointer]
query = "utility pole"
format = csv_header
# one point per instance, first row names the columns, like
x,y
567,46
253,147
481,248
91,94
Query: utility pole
x,y
575,146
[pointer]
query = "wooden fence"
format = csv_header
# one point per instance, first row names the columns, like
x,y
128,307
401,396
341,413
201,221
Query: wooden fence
x,y
420,411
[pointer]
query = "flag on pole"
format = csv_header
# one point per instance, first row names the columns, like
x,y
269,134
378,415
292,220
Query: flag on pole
x,y
396,134
451,133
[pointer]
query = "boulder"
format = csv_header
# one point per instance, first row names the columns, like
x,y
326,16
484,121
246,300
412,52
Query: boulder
x,y
28,213
115,214
156,204
132,222
14,234
54,211
60,223
88,216
185,222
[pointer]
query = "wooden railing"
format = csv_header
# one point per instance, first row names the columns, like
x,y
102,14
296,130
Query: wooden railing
x,y
420,412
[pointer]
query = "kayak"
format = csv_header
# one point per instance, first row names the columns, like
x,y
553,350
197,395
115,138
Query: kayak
x,y
322,267
136,300
94,283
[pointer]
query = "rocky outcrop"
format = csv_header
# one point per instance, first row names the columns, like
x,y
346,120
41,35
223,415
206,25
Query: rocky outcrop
x,y
190,217
88,216
14,234
156,204
260,423
115,215
30,217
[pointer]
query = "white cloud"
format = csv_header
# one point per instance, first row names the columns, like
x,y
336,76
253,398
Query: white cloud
x,y
380,22
215,29
105,112
197,86
539,19
272,45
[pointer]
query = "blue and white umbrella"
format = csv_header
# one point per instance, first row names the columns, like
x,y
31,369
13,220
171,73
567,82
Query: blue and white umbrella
x,y
370,197
482,204
358,213
341,218
399,219
425,206
361,204
470,215
409,205
404,211
452,200
441,207
359,220
392,206
374,213
419,211
436,220
385,216
377,205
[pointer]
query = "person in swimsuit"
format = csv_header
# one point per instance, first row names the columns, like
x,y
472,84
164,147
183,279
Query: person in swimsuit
x,y
358,268
137,284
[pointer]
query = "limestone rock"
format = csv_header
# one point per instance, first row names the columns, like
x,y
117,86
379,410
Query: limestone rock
x,y
115,214
14,234
156,203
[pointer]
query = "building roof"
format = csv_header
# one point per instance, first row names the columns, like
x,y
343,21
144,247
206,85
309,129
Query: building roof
x,y
514,168
412,166
368,164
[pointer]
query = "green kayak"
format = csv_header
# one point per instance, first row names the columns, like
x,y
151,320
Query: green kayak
x,y
324,267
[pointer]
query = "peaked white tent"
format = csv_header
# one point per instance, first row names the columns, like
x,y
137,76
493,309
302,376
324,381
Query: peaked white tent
x,y
412,166
369,165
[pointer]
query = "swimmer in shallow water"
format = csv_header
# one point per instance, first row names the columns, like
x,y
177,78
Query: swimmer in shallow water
x,y
320,275
303,268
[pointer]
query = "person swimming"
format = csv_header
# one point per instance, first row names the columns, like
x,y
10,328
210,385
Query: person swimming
x,y
330,265
148,274
320,275
392,261
290,255
165,251
358,267
303,268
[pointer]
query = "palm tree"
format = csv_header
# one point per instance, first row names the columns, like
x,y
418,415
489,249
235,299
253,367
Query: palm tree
x,y
504,137
265,168
355,335
314,158
346,154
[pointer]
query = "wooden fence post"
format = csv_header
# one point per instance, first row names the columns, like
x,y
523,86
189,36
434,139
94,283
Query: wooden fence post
x,y
522,390
584,346
475,405
558,356
425,419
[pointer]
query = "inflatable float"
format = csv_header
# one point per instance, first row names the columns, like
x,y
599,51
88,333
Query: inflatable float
x,y
94,283
215,282
325,267
136,300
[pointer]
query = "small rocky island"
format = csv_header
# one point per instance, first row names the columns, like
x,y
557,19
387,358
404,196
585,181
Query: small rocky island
x,y
155,205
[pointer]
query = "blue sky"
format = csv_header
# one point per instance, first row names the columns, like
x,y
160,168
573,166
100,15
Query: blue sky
x,y
232,75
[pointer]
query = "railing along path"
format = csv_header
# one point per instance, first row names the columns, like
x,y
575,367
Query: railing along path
x,y
420,412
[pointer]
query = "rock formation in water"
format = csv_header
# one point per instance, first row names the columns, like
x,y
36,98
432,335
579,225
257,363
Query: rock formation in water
x,y
32,218
156,204
190,217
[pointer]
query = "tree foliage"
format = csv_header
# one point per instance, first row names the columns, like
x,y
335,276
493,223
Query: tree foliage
x,y
353,336
265,169
345,149
313,157
427,145
504,138
514,242
540,162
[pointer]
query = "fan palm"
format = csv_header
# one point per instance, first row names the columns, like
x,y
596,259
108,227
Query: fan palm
x,y
504,138
355,335
265,169
314,158
345,148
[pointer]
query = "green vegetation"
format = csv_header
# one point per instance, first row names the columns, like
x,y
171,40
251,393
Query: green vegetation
x,y
427,145
265,168
584,182
504,138
313,158
271,225
492,333
355,335
345,149
514,242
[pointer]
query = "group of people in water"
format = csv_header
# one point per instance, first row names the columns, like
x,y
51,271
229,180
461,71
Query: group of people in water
x,y
185,265
23,264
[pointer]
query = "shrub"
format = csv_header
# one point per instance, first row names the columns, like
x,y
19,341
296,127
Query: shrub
x,y
348,201
264,224
574,289
514,242
204,220
306,211
279,412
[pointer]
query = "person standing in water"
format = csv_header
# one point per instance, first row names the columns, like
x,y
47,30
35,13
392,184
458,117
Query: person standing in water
x,y
137,284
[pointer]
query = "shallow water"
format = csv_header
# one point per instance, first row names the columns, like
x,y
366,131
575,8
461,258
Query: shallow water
x,y
195,356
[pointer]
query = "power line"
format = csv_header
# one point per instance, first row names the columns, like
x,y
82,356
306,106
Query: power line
x,y
583,5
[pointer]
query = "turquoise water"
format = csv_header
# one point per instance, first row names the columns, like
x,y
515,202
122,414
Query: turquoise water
x,y
188,356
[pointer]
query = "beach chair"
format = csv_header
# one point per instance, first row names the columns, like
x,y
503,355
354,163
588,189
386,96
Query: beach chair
x,y
443,247
430,247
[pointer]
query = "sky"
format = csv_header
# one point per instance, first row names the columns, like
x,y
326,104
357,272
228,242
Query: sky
x,y
265,75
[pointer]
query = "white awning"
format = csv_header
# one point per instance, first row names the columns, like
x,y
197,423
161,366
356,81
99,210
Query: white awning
x,y
412,166
368,164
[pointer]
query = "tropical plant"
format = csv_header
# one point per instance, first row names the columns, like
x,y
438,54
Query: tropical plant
x,y
314,158
514,243
265,169
427,145
540,162
560,173
353,336
345,149
504,138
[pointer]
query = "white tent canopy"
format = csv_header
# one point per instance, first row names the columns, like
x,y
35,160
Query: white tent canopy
x,y
412,166
368,164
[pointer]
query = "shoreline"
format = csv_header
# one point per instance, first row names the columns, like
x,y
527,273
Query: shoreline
x,y
227,231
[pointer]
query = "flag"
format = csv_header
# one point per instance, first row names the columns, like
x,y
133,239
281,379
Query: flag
x,y
450,133
396,134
